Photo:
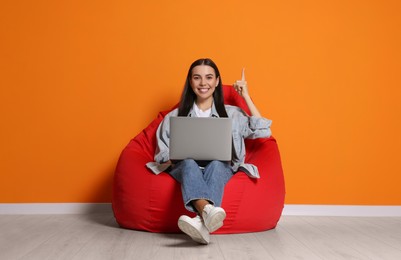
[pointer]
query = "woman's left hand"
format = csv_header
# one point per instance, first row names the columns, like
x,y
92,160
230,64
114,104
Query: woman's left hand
x,y
241,86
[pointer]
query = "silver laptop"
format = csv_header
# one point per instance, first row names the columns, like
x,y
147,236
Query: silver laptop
x,y
199,138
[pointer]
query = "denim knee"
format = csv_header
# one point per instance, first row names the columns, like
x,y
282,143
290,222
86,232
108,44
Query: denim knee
x,y
189,162
217,164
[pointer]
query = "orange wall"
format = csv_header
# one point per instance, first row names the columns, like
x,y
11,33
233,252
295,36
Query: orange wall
x,y
79,79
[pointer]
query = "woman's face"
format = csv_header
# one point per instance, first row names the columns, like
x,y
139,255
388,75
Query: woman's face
x,y
204,82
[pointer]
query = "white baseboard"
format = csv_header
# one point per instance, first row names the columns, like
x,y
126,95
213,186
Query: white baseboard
x,y
289,209
54,208
342,210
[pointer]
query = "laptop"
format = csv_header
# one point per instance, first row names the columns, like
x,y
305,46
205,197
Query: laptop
x,y
200,138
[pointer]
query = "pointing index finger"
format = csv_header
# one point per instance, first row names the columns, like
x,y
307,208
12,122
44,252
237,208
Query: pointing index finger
x,y
243,74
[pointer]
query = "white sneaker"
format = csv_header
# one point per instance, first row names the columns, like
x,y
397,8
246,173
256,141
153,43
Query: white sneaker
x,y
194,228
213,217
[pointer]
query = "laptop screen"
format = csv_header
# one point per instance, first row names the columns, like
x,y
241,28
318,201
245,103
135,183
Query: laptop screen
x,y
200,138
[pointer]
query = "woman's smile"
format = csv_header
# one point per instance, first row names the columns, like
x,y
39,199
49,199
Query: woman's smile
x,y
203,90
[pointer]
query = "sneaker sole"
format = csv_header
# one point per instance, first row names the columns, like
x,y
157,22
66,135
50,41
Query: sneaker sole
x,y
192,232
216,222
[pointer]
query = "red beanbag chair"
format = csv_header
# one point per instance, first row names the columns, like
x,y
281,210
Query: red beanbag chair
x,y
145,201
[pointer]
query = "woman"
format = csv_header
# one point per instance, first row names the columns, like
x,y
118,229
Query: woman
x,y
203,187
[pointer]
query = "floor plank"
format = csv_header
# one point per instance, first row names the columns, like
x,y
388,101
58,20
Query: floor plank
x,y
67,241
282,245
185,248
26,233
322,243
242,246
387,245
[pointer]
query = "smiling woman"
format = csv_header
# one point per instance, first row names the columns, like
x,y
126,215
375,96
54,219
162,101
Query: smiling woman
x,y
203,185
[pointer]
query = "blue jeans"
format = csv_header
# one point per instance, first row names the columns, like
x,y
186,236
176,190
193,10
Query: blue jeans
x,y
198,183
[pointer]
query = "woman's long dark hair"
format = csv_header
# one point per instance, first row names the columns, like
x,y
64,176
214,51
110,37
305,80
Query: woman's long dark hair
x,y
188,96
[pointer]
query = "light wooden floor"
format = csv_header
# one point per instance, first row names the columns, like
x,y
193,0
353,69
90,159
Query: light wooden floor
x,y
97,236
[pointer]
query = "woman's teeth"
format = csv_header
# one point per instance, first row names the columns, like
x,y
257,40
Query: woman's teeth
x,y
203,90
